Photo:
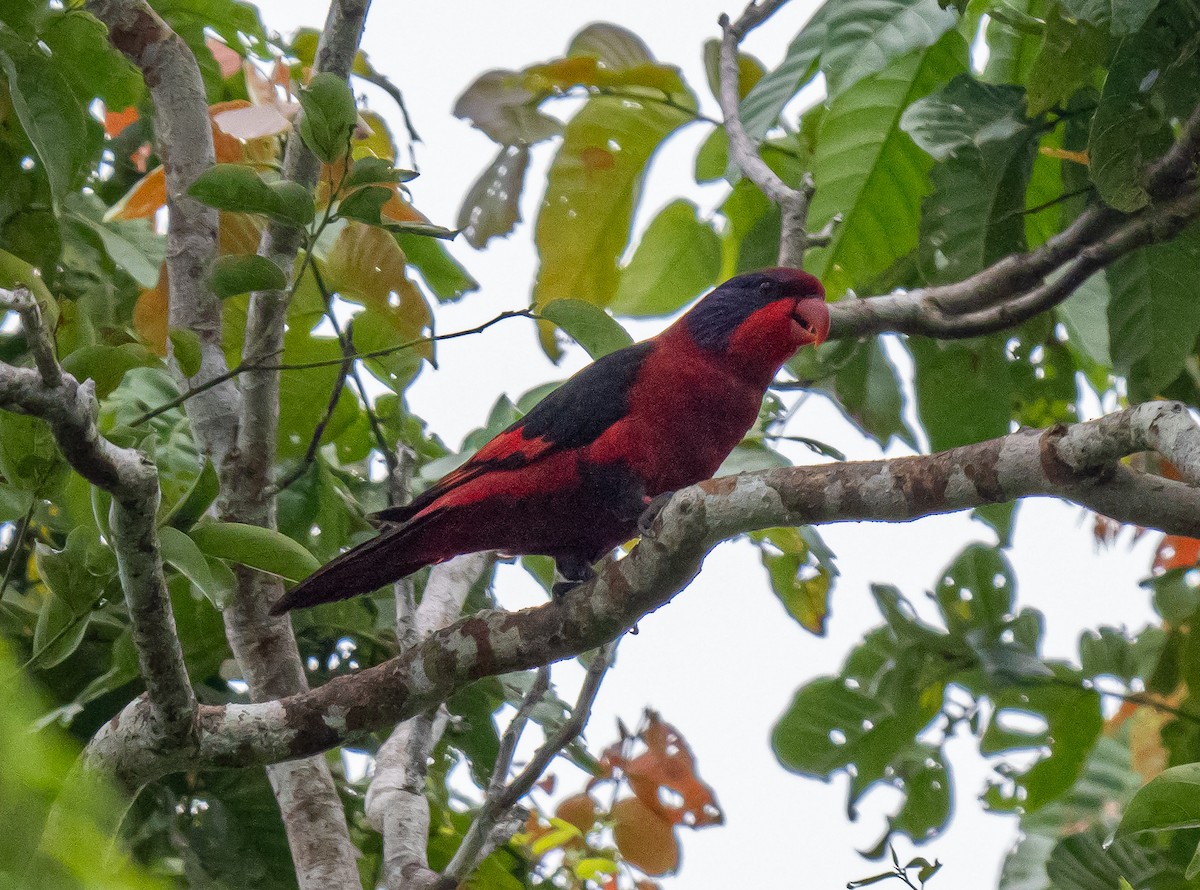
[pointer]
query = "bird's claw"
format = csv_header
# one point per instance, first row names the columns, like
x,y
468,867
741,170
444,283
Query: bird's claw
x,y
654,506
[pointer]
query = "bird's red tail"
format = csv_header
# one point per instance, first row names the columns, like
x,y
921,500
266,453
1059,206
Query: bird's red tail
x,y
367,567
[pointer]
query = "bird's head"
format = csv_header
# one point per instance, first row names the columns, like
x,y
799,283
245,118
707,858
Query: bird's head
x,y
757,321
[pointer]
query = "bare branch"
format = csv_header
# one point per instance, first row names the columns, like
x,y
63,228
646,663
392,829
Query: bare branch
x,y
69,408
793,203
482,837
1080,463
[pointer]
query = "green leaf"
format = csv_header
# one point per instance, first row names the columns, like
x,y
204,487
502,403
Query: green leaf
x,y
868,393
1150,77
239,188
1083,861
678,258
365,205
593,187
232,275
329,116
865,37
89,62
195,503
1168,802
15,272
965,113
132,245
964,390
259,548
185,347
818,733
53,119
589,326
1085,316
1153,315
974,216
107,365
976,592
65,572
58,632
1119,17
29,458
182,552
492,206
867,169
1014,36
293,203
371,170
443,274
763,104
801,584
1071,51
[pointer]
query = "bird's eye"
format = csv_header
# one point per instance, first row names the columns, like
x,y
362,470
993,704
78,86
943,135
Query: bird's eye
x,y
765,285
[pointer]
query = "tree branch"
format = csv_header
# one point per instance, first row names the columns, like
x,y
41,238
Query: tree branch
x,y
1023,285
1019,286
69,409
396,806
265,646
793,203
1080,463
184,143
481,838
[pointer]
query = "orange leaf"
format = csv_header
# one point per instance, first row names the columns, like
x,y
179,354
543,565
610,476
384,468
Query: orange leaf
x,y
579,810
668,765
116,121
1176,552
144,200
150,314
644,838
397,209
547,783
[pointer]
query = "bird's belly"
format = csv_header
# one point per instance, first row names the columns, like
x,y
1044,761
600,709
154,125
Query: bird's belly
x,y
688,446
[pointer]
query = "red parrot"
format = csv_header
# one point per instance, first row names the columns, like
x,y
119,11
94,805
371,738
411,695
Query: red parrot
x,y
572,477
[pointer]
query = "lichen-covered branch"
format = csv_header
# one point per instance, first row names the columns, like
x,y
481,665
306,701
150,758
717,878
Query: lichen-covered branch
x,y
396,805
69,409
184,143
264,645
1080,463
793,203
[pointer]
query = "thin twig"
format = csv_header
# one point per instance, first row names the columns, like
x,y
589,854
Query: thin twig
x,y
503,797
18,540
793,203
314,443
23,303
326,363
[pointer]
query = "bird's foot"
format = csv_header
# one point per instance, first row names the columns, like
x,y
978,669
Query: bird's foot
x,y
654,506
570,572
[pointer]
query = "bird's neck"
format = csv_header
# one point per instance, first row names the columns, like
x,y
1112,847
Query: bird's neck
x,y
751,360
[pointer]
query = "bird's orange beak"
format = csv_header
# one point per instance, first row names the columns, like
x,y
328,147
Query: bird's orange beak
x,y
812,315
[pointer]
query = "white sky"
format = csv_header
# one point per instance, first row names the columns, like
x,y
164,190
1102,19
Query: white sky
x,y
723,660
